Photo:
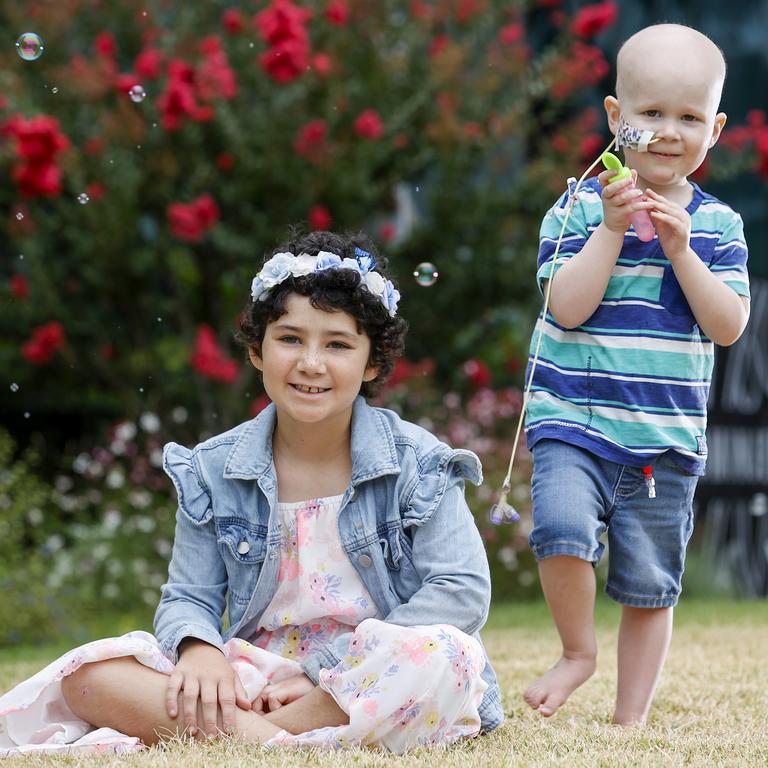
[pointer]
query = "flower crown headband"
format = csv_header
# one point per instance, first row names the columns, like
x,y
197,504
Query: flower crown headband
x,y
284,265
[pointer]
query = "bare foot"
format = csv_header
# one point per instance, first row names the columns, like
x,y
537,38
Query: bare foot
x,y
550,691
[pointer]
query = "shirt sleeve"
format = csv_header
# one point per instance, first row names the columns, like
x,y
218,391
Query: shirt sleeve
x,y
575,234
729,262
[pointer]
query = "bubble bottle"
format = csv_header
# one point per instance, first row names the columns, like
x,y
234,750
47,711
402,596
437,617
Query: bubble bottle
x,y
640,220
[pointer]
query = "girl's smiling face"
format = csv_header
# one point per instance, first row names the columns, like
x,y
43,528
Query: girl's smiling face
x,y
313,362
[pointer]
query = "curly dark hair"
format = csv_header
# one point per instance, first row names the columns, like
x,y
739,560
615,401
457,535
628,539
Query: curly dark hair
x,y
332,290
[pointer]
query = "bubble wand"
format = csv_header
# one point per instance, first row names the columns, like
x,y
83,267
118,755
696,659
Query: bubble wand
x,y
502,511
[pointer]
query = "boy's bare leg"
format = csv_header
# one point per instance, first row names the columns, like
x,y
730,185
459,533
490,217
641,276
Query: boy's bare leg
x,y
316,709
644,638
569,587
129,697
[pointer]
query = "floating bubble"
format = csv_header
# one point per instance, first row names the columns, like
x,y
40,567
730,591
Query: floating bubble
x,y
14,387
27,414
19,216
54,89
137,94
83,198
426,274
29,46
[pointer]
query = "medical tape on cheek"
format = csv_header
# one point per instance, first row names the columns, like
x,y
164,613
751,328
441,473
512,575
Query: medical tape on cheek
x,y
632,138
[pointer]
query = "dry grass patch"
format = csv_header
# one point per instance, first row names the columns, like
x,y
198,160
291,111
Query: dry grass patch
x,y
711,707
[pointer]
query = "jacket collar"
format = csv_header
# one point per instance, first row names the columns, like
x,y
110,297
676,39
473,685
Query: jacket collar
x,y
373,446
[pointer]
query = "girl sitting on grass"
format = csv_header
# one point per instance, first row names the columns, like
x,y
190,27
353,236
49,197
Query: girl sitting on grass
x,y
335,536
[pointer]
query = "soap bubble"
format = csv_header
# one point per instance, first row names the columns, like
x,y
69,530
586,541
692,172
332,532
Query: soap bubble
x,y
137,93
83,198
19,216
54,90
14,387
426,274
29,46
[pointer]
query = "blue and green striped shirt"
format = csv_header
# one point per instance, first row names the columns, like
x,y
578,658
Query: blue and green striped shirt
x,y
632,381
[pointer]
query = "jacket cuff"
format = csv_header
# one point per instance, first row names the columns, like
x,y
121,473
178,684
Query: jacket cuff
x,y
170,648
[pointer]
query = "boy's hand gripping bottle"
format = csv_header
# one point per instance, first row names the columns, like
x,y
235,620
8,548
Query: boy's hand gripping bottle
x,y
640,220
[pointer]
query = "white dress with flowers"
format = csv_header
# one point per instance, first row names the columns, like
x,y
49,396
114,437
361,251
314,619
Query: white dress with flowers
x,y
400,686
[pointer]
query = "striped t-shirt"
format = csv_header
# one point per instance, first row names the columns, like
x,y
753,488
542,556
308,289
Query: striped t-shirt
x,y
632,381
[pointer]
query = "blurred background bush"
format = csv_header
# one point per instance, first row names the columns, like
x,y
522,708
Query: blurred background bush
x,y
154,152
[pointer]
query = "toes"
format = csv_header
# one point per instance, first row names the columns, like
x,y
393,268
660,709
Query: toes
x,y
534,696
551,704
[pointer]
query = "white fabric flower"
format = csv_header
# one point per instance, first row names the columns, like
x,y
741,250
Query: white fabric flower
x,y
303,265
350,264
375,283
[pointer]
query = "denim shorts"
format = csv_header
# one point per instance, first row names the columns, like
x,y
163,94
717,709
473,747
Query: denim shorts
x,y
577,496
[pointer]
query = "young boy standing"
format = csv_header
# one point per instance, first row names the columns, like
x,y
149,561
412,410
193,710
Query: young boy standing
x,y
617,412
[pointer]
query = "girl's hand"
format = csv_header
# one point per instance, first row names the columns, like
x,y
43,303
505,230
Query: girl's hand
x,y
673,225
204,675
620,201
275,696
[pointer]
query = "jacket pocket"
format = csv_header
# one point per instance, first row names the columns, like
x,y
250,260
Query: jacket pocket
x,y
243,547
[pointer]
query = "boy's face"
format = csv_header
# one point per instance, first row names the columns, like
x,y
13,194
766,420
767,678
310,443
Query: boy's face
x,y
676,99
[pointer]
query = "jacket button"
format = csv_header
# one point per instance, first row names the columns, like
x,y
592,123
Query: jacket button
x,y
365,561
243,548
353,496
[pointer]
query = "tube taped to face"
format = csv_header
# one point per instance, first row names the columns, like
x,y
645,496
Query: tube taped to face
x,y
632,138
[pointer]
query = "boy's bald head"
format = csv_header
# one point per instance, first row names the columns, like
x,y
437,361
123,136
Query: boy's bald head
x,y
664,49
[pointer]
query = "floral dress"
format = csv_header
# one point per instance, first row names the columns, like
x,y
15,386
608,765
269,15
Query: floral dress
x,y
400,686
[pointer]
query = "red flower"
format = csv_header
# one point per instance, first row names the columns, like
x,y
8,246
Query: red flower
x,y
106,351
208,358
149,63
259,404
45,342
283,26
38,180
94,145
214,77
225,161
590,145
438,45
368,125
286,60
105,45
233,21
337,12
319,217
19,286
310,141
478,373
191,221
179,99
95,190
387,232
593,19
511,34
466,9
282,20
322,64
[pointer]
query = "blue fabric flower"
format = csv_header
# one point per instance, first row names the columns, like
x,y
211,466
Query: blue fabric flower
x,y
327,260
365,261
390,297
277,269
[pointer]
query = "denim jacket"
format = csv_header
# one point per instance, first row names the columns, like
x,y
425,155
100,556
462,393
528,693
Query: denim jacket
x,y
403,522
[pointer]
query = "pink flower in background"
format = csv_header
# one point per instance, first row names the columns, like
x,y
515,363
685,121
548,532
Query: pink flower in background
x,y
105,45
319,217
214,78
593,19
337,12
369,125
233,21
209,359
259,404
45,342
148,64
191,221
283,26
310,141
322,63
511,34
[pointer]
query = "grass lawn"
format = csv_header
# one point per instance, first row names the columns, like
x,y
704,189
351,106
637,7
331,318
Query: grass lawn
x,y
711,707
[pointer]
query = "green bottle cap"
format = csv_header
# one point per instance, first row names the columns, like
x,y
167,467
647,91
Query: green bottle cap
x,y
612,163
